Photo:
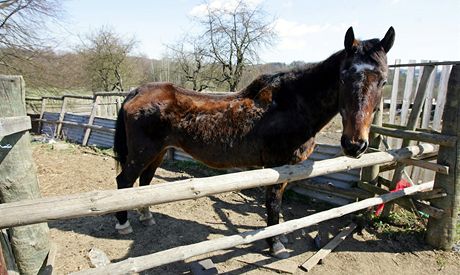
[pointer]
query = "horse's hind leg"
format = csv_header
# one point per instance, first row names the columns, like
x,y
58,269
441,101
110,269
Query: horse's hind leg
x,y
273,201
146,177
124,180
130,172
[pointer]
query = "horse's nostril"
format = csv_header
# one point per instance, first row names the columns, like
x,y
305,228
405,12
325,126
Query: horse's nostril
x,y
363,145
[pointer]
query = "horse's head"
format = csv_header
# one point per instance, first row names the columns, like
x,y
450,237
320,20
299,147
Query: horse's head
x,y
363,74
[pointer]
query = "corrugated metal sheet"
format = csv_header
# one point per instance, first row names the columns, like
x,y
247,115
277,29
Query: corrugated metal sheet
x,y
48,128
74,133
101,138
344,180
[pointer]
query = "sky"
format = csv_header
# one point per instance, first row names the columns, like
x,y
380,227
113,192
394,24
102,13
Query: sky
x,y
308,30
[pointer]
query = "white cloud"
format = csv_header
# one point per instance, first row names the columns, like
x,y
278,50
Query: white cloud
x,y
296,36
202,9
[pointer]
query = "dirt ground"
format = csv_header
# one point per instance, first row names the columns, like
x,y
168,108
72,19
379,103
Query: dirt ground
x,y
66,169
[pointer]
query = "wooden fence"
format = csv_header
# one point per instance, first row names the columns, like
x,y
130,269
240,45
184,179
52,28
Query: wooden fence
x,y
101,202
441,204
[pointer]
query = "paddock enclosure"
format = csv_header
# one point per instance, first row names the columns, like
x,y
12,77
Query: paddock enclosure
x,y
420,116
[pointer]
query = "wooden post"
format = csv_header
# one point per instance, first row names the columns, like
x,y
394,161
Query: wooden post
x,y
18,180
407,96
441,98
444,232
91,120
42,112
394,100
57,130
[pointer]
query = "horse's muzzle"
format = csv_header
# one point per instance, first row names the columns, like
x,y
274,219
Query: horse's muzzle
x,y
353,148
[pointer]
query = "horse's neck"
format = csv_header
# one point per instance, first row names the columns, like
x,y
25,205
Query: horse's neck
x,y
322,98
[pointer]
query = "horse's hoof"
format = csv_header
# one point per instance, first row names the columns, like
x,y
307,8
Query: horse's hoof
x,y
279,251
148,222
146,218
124,229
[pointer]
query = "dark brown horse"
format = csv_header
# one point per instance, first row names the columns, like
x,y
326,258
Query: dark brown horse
x,y
271,122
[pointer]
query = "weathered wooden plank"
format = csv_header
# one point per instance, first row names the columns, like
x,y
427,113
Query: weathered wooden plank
x,y
433,63
407,96
12,125
270,263
441,98
42,112
145,262
394,93
91,120
394,100
102,202
443,169
323,252
416,135
111,94
61,117
428,101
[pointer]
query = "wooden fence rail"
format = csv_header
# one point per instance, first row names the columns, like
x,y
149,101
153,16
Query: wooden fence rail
x,y
102,202
141,263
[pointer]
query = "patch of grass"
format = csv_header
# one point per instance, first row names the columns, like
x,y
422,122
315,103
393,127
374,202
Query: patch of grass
x,y
399,221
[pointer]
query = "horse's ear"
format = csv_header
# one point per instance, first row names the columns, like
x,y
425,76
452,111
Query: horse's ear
x,y
350,40
388,40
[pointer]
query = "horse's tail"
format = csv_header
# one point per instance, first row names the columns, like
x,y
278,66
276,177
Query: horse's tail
x,y
120,143
120,147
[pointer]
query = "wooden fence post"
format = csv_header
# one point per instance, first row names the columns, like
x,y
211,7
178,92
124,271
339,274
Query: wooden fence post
x,y
57,130
91,120
18,179
42,113
444,232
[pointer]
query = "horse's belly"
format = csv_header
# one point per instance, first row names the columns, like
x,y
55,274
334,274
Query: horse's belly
x,y
241,155
225,156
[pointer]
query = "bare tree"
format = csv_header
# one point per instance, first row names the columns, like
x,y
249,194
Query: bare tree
x,y
106,56
235,36
193,63
23,25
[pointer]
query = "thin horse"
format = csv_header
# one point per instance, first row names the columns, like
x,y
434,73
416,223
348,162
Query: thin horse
x,y
271,122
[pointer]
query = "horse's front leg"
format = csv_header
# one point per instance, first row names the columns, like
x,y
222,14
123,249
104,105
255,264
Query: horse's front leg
x,y
273,202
